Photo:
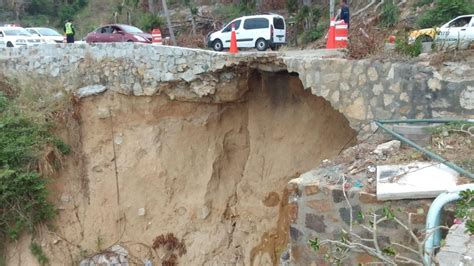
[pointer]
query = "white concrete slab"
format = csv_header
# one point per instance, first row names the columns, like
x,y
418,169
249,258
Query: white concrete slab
x,y
416,180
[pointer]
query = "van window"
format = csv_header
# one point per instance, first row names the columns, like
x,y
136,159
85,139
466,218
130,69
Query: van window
x,y
278,23
229,27
256,23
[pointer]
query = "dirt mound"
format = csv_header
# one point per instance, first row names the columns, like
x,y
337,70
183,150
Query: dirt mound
x,y
214,175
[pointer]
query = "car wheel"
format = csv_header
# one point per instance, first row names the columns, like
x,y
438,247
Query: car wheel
x,y
9,44
424,38
129,41
217,45
261,44
275,47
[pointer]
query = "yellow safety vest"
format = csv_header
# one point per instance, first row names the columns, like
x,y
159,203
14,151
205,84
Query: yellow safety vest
x,y
69,29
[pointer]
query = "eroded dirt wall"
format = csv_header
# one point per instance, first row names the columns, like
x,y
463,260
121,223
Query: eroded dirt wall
x,y
212,174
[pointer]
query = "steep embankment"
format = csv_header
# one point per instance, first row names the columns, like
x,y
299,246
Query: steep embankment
x,y
212,174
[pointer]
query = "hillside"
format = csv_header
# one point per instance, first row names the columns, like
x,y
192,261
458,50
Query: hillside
x,y
310,18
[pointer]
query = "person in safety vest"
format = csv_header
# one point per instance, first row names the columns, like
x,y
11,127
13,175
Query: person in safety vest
x,y
69,30
344,13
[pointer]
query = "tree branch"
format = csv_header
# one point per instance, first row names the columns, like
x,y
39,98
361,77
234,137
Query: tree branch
x,y
358,12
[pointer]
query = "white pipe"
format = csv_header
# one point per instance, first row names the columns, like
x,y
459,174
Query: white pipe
x,y
433,219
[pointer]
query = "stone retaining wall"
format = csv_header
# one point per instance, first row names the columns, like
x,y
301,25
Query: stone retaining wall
x,y
319,209
362,90
365,90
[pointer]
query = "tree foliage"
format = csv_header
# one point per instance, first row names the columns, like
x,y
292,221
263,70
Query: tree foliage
x,y
55,10
444,11
390,14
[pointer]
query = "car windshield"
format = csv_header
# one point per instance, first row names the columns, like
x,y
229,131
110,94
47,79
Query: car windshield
x,y
48,32
131,29
16,32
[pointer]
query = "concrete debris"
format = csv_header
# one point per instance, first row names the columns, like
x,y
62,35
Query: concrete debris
x,y
90,91
416,180
103,112
387,147
116,255
118,140
141,212
459,247
66,198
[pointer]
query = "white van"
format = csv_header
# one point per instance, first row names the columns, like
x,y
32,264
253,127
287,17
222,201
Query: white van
x,y
259,31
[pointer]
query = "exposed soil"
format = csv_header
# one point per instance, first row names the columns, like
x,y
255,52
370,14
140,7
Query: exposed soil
x,y
214,175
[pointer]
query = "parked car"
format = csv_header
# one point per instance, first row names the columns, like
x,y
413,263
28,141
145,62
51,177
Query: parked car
x,y
118,33
459,32
47,34
17,36
260,31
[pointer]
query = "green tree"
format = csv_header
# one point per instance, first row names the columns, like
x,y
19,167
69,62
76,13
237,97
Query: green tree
x,y
445,10
390,14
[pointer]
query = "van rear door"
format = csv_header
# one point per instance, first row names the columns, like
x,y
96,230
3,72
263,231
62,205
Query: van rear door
x,y
279,30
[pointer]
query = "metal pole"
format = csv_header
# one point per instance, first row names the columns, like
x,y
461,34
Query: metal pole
x,y
435,121
432,155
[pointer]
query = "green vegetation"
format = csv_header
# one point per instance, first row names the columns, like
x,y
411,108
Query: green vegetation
x,y
409,49
37,251
148,21
23,192
314,33
390,14
43,12
421,3
229,12
292,6
465,209
444,11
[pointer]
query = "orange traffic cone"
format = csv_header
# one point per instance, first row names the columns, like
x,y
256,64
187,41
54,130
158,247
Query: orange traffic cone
x,y
331,41
233,41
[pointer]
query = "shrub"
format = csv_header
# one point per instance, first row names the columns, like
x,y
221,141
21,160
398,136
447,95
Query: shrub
x,y
367,42
229,12
465,209
313,34
390,14
149,21
444,11
23,193
403,47
292,6
37,251
421,3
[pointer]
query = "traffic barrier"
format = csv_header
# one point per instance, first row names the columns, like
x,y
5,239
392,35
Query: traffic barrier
x,y
341,32
331,37
233,41
156,37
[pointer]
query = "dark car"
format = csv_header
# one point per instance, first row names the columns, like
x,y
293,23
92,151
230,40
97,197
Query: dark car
x,y
118,33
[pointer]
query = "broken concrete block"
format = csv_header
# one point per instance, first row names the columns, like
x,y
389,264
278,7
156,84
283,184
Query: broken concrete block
x,y
387,147
141,212
90,91
416,180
